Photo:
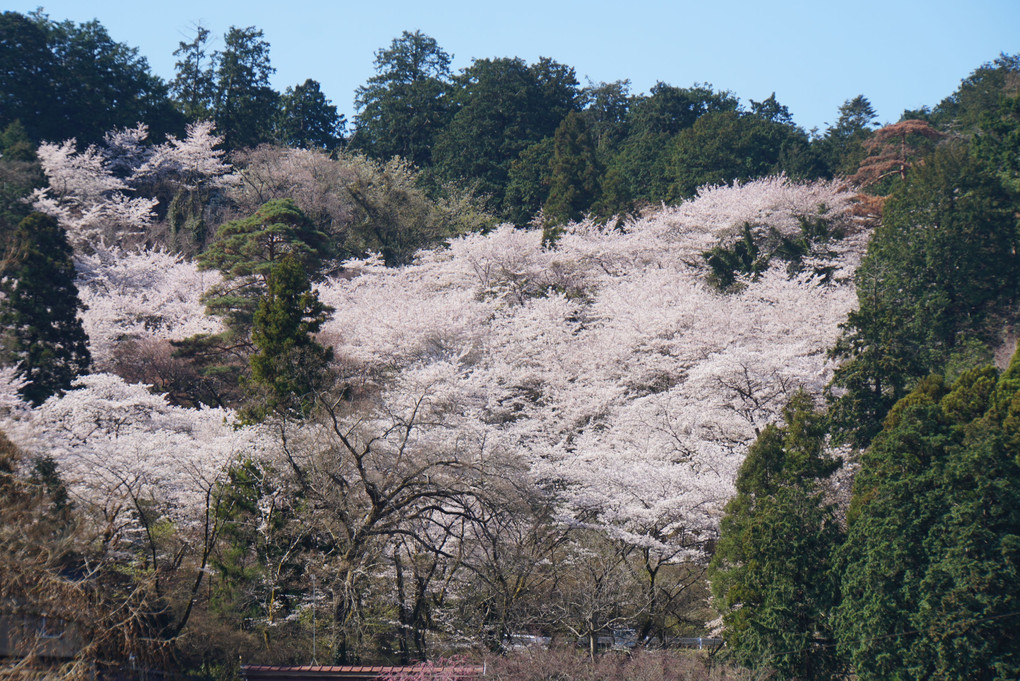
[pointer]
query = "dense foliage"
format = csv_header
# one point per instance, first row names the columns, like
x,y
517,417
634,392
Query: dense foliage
x,y
340,411
772,572
39,312
929,565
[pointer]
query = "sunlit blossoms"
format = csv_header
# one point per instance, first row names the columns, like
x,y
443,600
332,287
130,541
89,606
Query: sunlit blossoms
x,y
120,447
629,382
141,295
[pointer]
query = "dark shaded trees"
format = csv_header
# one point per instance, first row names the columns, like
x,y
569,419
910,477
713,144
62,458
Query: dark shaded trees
x,y
402,108
638,170
941,270
20,173
997,142
528,182
245,105
27,67
41,331
308,120
606,108
502,107
771,574
930,584
67,80
573,172
842,147
194,86
979,93
288,366
729,146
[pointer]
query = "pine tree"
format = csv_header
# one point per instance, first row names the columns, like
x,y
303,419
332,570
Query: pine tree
x,y
246,250
289,365
42,332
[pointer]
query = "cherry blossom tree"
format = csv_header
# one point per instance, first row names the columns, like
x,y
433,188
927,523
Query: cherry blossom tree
x,y
193,162
118,191
138,296
395,466
614,348
594,400
84,194
147,474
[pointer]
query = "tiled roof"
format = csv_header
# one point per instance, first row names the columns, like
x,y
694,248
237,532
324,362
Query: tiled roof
x,y
341,673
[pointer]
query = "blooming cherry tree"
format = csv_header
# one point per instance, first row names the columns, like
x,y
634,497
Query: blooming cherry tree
x,y
192,162
627,381
139,295
85,195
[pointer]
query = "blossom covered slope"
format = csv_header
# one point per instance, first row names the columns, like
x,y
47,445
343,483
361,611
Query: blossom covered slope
x,y
609,365
627,382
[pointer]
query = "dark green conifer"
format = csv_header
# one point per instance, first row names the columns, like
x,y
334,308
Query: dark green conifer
x,y
288,365
929,569
574,174
41,331
246,250
771,572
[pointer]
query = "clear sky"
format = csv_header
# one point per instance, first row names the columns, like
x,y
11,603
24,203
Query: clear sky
x,y
900,54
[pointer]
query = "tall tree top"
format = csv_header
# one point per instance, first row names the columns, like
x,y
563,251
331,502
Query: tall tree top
x,y
409,58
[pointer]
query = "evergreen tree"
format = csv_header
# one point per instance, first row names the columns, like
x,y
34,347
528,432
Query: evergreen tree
x,y
246,251
638,170
606,107
842,146
771,571
245,106
930,580
574,174
997,143
528,183
27,72
20,173
979,93
402,108
771,110
503,106
194,87
942,268
42,332
728,146
308,120
288,365
100,84
65,80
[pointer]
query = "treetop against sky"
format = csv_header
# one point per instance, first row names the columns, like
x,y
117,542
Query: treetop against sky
x,y
902,54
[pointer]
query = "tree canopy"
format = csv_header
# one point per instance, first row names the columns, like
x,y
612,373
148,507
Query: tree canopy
x,y
772,572
402,108
929,565
39,312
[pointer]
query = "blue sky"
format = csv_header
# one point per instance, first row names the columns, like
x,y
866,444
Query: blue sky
x,y
815,55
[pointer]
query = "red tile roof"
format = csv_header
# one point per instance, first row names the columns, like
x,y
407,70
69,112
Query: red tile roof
x,y
254,672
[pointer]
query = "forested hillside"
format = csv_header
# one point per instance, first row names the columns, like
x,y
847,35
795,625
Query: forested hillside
x,y
503,359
